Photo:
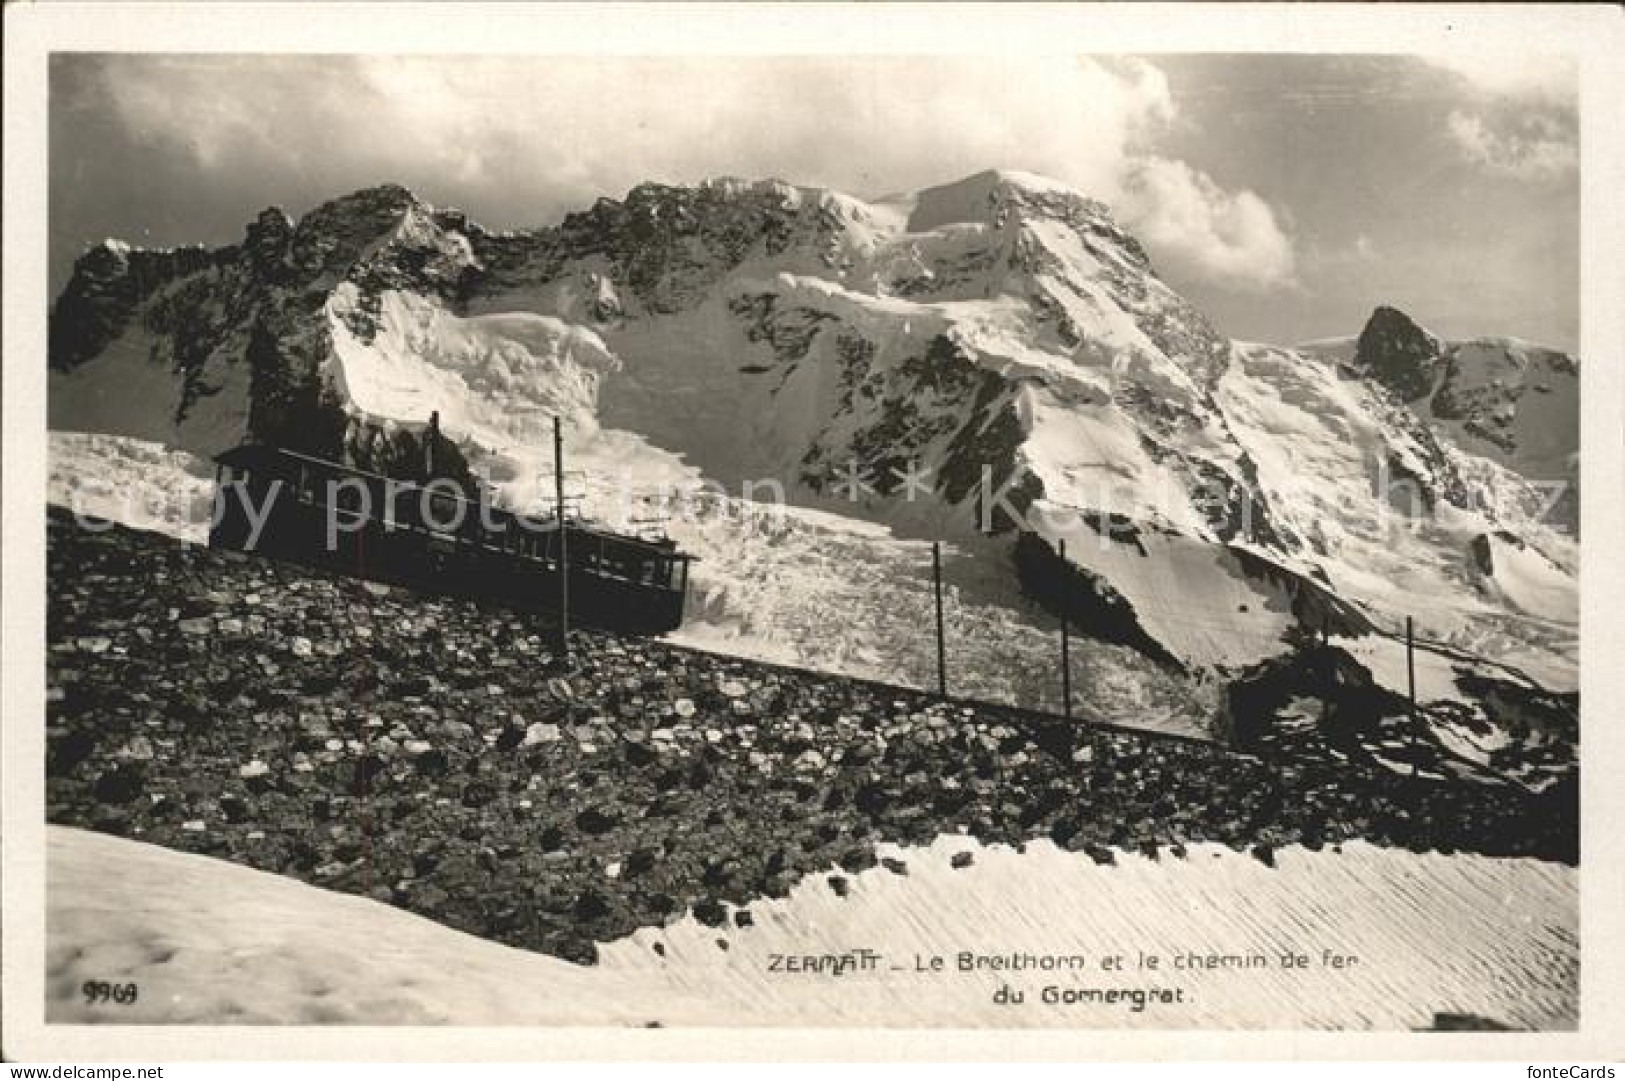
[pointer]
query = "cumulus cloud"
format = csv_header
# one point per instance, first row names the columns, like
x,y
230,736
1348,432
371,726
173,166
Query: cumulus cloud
x,y
1518,116
519,141
514,132
1531,146
1201,229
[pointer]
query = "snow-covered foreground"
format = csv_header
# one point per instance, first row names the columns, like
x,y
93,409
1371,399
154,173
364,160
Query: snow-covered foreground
x,y
210,942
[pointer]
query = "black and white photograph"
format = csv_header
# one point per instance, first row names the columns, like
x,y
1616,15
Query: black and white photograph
x,y
1086,540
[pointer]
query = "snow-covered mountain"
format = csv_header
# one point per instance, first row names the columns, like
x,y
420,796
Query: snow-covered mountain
x,y
901,369
1508,400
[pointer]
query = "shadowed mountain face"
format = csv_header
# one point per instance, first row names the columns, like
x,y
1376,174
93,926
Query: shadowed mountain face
x,y
992,355
1399,354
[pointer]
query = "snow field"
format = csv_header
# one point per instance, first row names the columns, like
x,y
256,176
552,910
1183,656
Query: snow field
x,y
209,942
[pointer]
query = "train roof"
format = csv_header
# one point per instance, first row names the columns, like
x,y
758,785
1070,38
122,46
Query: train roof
x,y
250,454
257,455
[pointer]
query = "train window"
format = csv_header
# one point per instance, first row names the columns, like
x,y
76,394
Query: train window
x,y
445,514
389,508
351,503
409,506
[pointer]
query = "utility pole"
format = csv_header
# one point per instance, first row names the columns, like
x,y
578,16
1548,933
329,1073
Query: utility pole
x,y
430,437
1410,664
1410,681
936,582
563,550
1066,648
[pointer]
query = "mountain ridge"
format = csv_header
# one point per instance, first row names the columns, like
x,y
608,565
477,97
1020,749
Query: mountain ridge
x,y
1020,352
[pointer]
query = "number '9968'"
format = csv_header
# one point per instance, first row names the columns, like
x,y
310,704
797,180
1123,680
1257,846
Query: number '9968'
x,y
101,992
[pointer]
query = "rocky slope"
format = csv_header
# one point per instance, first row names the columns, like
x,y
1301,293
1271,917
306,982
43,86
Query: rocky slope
x,y
991,353
430,754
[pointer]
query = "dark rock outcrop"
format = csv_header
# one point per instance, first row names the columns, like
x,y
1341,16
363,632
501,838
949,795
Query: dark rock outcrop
x,y
1400,354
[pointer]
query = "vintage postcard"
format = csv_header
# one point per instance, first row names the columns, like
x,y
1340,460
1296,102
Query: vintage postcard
x,y
603,525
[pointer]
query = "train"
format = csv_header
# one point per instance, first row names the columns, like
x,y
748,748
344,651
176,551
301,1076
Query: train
x,y
430,536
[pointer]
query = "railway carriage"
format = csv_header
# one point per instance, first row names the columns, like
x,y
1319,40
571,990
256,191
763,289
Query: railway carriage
x,y
432,537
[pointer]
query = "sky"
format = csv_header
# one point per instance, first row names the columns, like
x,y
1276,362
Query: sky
x,y
1286,195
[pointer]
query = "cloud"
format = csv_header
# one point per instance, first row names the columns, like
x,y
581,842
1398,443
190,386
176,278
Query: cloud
x,y
1549,77
1517,116
1200,229
519,141
1530,146
508,132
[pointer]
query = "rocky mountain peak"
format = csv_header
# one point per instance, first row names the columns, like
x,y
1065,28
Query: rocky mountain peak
x,y
267,238
336,234
988,197
1400,353
1004,197
109,281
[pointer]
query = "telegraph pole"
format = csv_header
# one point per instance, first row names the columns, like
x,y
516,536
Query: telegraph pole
x,y
1066,648
563,551
1410,678
1410,664
936,583
430,438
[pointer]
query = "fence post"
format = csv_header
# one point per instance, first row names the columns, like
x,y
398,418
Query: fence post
x,y
936,583
1066,648
1410,665
1410,682
564,560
